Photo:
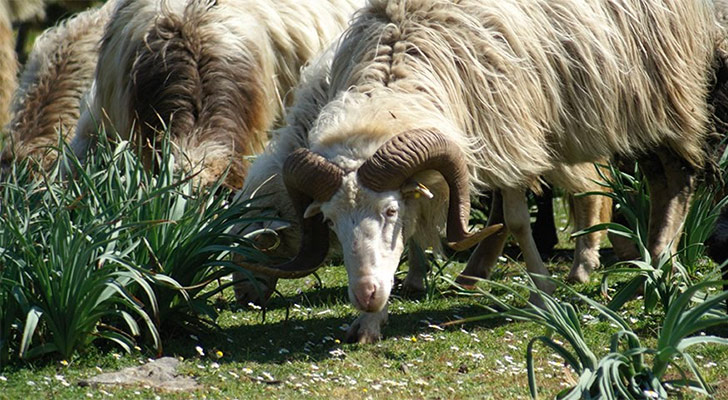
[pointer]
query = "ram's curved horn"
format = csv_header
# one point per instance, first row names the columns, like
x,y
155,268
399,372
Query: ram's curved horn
x,y
308,176
418,150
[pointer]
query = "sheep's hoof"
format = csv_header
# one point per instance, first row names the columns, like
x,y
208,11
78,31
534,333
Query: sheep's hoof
x,y
413,288
580,273
537,301
356,334
466,281
366,329
584,264
257,292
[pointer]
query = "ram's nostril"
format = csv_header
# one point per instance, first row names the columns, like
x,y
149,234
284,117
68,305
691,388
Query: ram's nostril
x,y
365,293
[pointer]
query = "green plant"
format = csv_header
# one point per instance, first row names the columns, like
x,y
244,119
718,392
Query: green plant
x,y
9,316
623,372
15,178
661,281
184,232
704,211
630,196
66,276
113,248
699,224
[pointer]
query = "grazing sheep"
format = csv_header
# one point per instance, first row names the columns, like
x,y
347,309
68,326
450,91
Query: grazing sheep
x,y
215,73
490,94
58,73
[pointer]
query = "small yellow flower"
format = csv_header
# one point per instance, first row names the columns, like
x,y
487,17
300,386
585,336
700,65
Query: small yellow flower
x,y
337,341
218,354
64,363
364,390
413,339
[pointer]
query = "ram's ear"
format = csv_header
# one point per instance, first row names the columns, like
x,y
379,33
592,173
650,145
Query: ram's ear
x,y
415,189
313,209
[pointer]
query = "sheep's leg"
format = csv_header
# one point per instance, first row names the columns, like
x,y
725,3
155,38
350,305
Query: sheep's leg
x,y
624,248
671,183
717,245
414,282
517,219
258,292
544,229
367,328
588,211
486,255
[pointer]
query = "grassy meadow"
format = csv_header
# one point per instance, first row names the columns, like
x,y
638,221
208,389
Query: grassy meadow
x,y
296,352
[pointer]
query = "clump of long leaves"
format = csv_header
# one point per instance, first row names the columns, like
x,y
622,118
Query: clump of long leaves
x,y
65,283
630,196
184,232
92,250
661,281
704,212
624,372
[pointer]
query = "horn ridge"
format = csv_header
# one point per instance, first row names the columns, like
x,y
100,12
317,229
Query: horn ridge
x,y
312,174
415,151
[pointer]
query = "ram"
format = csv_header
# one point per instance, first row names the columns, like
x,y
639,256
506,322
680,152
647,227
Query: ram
x,y
215,74
462,95
57,75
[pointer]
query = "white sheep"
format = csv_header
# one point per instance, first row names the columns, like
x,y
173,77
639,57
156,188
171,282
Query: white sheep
x,y
489,94
215,73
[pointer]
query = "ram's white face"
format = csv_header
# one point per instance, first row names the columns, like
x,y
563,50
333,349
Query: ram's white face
x,y
370,228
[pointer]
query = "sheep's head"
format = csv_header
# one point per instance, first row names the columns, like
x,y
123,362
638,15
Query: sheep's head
x,y
366,209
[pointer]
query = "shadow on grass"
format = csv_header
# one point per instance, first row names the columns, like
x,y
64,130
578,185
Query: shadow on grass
x,y
312,337
316,297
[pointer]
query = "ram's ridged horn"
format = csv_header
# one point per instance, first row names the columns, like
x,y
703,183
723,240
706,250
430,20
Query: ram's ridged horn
x,y
418,150
308,177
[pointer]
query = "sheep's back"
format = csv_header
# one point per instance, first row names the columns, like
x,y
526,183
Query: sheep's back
x,y
535,83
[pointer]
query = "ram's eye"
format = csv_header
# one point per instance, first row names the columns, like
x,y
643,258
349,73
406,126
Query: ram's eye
x,y
391,212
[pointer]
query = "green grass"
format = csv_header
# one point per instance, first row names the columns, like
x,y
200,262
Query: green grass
x,y
296,352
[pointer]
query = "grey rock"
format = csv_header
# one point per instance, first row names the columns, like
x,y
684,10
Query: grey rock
x,y
158,374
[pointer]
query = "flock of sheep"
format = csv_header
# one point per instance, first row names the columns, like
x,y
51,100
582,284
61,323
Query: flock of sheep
x,y
383,117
